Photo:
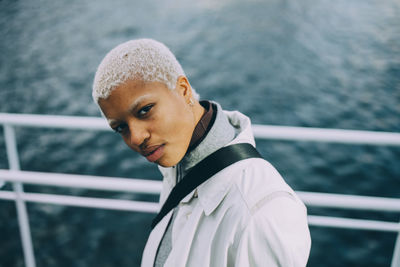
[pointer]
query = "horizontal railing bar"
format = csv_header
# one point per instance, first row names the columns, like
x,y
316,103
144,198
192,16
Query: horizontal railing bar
x,y
83,181
55,121
85,202
328,200
151,207
288,133
359,224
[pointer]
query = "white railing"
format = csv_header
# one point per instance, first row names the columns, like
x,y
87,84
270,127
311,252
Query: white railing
x,y
18,177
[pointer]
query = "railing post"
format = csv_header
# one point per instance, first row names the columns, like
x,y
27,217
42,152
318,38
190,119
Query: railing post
x,y
2,183
396,253
13,161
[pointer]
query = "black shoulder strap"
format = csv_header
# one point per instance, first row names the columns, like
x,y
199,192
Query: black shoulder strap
x,y
206,168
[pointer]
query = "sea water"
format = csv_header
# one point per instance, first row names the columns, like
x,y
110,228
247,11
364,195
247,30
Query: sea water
x,y
333,64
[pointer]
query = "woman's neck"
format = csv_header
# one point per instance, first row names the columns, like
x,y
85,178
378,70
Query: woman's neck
x,y
203,125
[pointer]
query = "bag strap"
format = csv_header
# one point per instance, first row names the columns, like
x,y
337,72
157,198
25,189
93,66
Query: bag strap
x,y
201,172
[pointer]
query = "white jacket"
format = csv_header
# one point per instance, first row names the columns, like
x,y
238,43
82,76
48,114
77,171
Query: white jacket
x,y
245,215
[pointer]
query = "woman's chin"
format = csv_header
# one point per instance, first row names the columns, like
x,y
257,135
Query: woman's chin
x,y
167,162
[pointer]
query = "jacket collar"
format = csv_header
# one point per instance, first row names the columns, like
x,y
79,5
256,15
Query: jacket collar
x,y
212,192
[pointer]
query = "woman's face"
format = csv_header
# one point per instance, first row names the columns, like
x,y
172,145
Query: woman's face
x,y
153,120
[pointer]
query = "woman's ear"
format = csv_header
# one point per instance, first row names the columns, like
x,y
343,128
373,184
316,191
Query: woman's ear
x,y
183,88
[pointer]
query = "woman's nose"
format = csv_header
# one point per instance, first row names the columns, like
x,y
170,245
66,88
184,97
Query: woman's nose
x,y
138,135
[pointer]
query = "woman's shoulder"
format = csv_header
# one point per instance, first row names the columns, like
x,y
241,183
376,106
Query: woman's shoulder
x,y
259,183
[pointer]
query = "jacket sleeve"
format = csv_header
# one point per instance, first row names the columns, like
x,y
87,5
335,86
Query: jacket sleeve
x,y
277,234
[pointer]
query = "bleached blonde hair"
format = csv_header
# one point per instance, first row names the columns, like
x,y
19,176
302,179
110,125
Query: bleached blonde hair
x,y
143,59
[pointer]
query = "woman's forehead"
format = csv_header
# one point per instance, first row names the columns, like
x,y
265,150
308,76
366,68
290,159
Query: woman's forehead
x,y
131,94
137,89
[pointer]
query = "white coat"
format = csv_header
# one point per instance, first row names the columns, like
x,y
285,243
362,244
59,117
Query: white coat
x,y
245,215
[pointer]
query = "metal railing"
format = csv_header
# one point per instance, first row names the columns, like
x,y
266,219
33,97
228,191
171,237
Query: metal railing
x,y
18,178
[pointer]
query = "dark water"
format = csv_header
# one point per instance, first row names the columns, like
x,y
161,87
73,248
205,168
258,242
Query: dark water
x,y
313,63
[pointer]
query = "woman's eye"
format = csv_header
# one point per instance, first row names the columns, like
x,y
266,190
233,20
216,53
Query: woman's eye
x,y
143,111
120,128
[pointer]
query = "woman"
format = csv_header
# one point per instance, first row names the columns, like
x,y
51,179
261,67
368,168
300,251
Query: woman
x,y
245,214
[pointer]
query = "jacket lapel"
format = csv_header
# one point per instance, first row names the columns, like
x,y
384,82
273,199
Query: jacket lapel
x,y
153,242
182,246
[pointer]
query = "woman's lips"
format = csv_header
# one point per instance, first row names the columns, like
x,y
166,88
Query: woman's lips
x,y
155,154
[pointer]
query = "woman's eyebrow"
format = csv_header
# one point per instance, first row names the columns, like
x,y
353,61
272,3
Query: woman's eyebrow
x,y
138,101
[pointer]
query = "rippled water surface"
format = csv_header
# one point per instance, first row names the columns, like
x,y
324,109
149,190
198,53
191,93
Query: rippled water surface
x,y
332,64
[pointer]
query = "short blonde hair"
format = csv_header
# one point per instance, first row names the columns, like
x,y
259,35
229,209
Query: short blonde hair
x,y
143,59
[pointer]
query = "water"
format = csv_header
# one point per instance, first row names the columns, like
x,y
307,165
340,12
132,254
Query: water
x,y
310,63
